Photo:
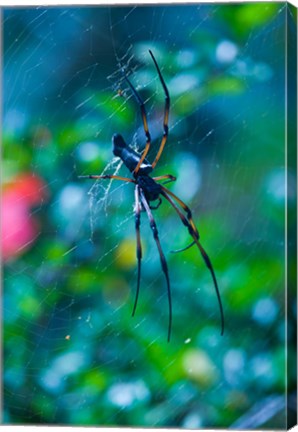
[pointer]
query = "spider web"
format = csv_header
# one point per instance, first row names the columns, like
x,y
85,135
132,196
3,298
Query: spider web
x,y
65,96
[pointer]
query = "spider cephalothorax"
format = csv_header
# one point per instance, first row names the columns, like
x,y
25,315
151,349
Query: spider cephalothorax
x,y
147,189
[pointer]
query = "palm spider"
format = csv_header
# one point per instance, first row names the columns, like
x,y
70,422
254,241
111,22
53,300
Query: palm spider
x,y
148,189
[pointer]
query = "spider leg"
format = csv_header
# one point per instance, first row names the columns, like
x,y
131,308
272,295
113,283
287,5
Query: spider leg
x,y
166,113
96,177
173,178
184,248
206,258
145,125
157,205
139,246
163,261
185,208
168,176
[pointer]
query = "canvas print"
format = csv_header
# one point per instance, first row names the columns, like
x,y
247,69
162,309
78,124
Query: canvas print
x,y
149,215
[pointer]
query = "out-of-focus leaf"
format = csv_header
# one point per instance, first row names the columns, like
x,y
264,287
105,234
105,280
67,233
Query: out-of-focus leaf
x,y
199,367
225,85
244,18
116,109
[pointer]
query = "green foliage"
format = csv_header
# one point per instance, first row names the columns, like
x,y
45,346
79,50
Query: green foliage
x,y
245,18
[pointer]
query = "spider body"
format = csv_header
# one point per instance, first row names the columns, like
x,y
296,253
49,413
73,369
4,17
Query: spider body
x,y
147,189
130,157
150,187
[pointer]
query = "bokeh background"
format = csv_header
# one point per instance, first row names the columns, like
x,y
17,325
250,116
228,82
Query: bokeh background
x,y
72,352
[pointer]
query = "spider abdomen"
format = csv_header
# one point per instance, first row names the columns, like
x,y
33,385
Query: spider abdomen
x,y
149,186
129,156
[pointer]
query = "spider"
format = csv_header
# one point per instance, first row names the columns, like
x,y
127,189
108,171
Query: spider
x,y
148,189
